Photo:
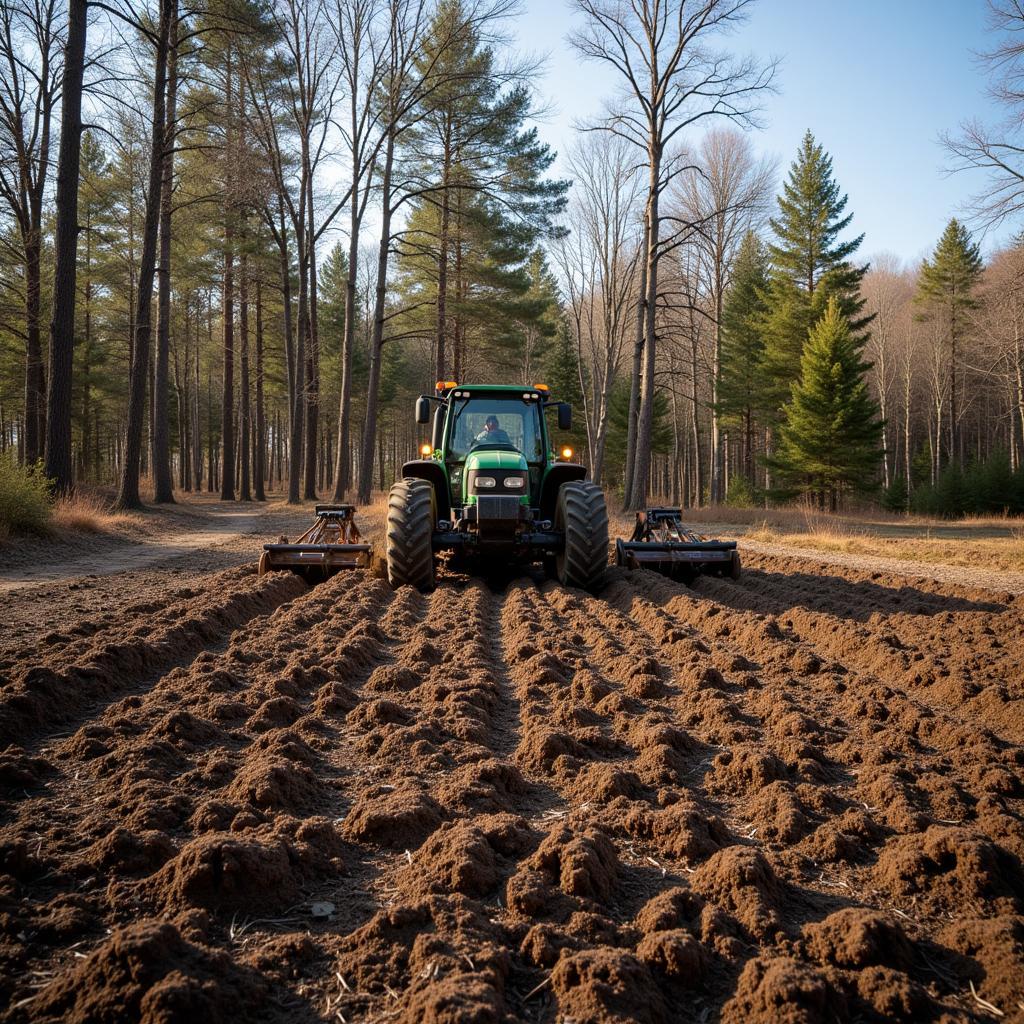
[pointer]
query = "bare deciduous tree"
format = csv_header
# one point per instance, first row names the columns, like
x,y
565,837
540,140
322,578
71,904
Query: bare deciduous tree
x,y
672,79
599,261
997,149
725,195
30,78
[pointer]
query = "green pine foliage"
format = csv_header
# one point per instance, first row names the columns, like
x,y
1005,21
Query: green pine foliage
x,y
831,434
945,295
810,265
810,220
947,280
561,373
988,487
484,205
741,367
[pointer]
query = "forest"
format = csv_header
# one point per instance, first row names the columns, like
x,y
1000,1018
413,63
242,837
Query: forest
x,y
238,237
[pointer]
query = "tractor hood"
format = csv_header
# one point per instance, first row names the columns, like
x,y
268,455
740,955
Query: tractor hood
x,y
482,458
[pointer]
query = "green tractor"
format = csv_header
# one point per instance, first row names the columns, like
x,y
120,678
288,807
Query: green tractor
x,y
490,490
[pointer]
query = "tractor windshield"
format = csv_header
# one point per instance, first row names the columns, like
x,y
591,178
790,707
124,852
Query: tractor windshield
x,y
488,421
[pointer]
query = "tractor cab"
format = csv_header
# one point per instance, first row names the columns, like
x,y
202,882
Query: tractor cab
x,y
499,431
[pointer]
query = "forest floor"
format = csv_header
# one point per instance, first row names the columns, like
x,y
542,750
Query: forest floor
x,y
793,797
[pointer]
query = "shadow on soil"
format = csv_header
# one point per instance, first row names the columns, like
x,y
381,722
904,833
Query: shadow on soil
x,y
857,600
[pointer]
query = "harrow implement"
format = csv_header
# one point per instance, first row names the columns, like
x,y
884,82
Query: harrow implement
x,y
662,543
331,544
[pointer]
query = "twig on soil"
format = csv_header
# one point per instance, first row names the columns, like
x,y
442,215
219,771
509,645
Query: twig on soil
x,y
342,981
663,871
533,991
984,1002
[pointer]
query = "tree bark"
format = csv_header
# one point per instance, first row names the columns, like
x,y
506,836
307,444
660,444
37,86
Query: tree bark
x,y
634,380
128,495
312,360
162,480
227,473
259,459
645,424
377,340
343,466
62,325
245,414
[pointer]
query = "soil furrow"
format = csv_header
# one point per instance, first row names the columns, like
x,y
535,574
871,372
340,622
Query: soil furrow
x,y
794,797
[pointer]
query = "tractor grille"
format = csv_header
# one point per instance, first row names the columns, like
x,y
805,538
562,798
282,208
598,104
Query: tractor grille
x,y
495,506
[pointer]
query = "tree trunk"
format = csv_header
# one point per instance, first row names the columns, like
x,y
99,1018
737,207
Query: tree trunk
x,y
245,415
197,445
645,424
260,438
343,467
227,473
634,380
440,349
162,480
312,361
377,339
62,324
128,496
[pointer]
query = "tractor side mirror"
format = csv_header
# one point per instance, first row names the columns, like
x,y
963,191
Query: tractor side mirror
x,y
564,416
437,434
422,409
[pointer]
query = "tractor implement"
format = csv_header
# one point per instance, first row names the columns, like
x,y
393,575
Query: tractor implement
x,y
332,543
662,543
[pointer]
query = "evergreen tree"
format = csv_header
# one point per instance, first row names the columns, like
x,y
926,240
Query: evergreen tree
x,y
483,199
561,372
944,293
810,264
831,434
741,368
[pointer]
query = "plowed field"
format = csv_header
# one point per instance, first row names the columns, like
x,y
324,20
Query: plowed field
x,y
795,797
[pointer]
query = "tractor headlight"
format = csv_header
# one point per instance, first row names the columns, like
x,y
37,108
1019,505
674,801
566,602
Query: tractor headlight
x,y
485,481
514,482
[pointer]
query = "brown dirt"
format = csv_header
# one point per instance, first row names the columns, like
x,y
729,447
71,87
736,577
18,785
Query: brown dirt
x,y
796,797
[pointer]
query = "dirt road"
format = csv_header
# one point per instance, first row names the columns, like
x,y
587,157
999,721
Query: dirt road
x,y
796,797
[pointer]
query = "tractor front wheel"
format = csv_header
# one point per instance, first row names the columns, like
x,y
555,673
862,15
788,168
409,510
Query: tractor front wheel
x,y
410,554
583,518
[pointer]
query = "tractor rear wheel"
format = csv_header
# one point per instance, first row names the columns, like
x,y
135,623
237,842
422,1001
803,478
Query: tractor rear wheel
x,y
582,516
410,554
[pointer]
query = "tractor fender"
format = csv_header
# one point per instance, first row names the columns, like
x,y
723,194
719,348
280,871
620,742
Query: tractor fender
x,y
427,469
558,473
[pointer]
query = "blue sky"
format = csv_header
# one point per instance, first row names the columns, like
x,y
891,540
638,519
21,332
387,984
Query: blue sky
x,y
875,80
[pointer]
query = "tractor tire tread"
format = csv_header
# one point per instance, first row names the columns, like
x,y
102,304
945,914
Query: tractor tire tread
x,y
584,517
410,525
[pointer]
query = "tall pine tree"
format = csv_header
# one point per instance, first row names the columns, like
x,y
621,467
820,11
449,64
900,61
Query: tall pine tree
x,y
830,437
483,200
944,293
810,263
741,368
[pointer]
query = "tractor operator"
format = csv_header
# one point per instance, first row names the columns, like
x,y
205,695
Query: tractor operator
x,y
492,433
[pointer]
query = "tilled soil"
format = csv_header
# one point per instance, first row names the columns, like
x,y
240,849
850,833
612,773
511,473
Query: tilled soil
x,y
795,797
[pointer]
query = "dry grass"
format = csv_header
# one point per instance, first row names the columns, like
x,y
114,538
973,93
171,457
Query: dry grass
x,y
86,512
1000,553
